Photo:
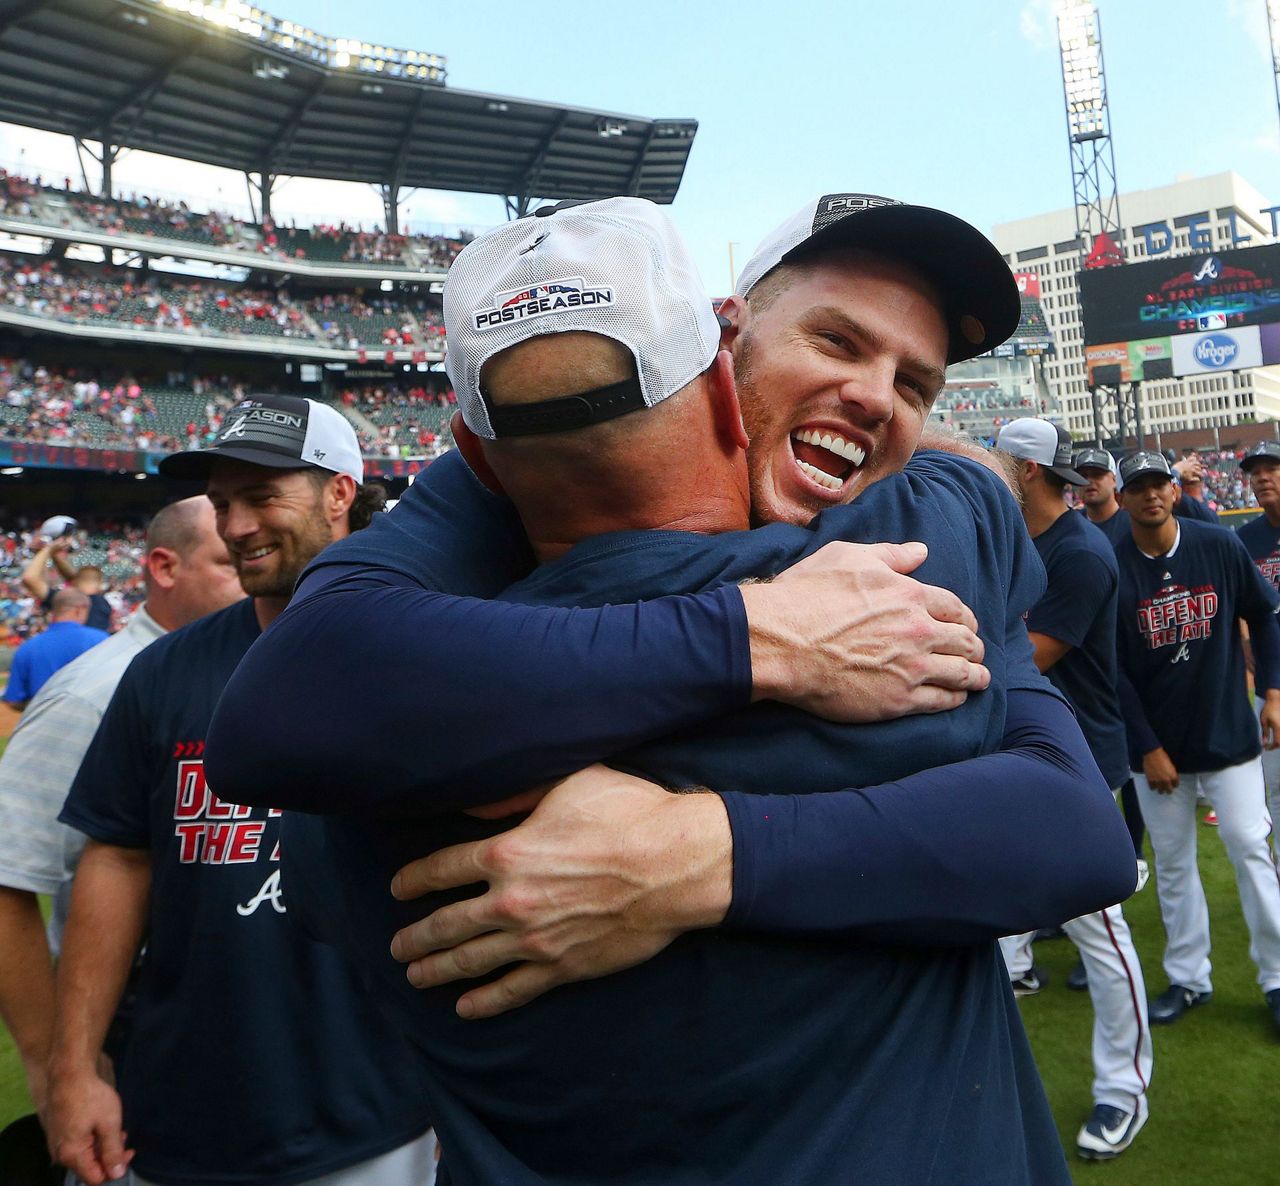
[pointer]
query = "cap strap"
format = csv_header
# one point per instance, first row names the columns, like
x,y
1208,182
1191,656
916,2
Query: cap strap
x,y
567,412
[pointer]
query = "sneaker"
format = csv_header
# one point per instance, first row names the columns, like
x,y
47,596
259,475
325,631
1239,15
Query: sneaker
x,y
1110,1131
1210,819
1174,1002
1273,1003
1078,978
1029,983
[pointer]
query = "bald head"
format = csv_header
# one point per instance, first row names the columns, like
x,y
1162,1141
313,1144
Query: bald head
x,y
180,526
70,605
187,567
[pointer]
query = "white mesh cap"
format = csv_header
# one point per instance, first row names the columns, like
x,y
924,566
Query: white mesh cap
x,y
617,267
978,292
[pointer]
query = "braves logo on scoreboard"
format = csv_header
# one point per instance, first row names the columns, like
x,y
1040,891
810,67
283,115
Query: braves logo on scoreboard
x,y
1177,615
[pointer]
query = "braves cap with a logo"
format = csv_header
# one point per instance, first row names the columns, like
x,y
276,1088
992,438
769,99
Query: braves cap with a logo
x,y
1145,462
979,294
1040,441
278,431
1262,451
616,267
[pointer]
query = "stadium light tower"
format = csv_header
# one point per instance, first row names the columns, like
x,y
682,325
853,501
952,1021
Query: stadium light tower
x,y
1084,89
1273,28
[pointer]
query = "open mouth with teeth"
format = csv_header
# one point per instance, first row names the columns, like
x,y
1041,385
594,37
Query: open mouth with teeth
x,y
826,457
257,553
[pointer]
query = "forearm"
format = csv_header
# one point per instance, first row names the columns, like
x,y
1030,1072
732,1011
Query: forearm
x,y
489,697
33,579
104,932
952,855
1142,737
64,566
26,984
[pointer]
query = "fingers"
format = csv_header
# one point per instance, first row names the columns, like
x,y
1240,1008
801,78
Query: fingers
x,y
903,558
446,927
462,864
945,606
467,962
111,1152
519,804
518,987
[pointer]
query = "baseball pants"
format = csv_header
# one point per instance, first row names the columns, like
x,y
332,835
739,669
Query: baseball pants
x,y
1236,794
1122,1053
1271,776
413,1164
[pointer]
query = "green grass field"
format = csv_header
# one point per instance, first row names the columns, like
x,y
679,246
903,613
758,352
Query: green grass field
x,y
1217,1073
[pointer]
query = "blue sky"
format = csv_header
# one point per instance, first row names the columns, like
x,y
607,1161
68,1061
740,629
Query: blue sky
x,y
949,104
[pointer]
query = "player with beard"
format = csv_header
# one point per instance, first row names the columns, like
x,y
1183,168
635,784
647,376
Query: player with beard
x,y
253,1056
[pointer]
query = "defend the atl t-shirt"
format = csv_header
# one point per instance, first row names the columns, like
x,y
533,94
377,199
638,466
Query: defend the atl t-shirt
x,y
254,1055
1178,644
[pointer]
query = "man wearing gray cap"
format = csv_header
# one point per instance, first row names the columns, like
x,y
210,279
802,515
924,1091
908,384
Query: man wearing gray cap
x,y
1100,494
252,1054
1073,630
1261,536
1183,586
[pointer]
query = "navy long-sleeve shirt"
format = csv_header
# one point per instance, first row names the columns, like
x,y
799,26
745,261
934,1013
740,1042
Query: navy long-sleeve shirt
x,y
568,687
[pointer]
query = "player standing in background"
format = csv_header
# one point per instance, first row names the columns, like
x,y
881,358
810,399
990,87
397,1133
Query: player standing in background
x,y
1073,630
87,578
67,637
188,574
1261,536
1101,498
253,1055
1183,585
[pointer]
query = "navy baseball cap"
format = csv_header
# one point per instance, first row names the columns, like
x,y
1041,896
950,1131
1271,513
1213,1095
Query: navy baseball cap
x,y
980,297
280,432
1145,462
1262,451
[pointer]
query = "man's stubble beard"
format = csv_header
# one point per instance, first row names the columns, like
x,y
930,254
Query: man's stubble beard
x,y
314,536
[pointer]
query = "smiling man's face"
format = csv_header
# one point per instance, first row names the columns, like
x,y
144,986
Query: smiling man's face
x,y
838,365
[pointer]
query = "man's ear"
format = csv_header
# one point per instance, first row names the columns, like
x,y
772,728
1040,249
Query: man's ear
x,y
732,315
724,398
472,449
340,494
161,563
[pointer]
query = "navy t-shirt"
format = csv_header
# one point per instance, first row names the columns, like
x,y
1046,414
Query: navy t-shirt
x,y
1115,528
255,1055
1262,542
1079,609
1180,647
730,1056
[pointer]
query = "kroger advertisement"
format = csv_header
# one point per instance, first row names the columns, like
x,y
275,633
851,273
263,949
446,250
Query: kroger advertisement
x,y
1221,350
1164,297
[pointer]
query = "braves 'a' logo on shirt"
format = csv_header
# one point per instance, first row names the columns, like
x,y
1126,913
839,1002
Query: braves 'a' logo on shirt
x,y
209,831
1177,615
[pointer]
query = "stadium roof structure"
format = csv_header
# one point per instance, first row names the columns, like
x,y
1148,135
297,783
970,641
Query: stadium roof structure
x,y
224,83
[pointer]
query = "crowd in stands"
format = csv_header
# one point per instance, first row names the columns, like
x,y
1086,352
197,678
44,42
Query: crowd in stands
x,y
170,412
152,301
114,545
1225,485
157,218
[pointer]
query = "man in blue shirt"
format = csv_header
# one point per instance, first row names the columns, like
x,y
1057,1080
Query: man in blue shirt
x,y
507,1092
1073,630
1183,587
65,638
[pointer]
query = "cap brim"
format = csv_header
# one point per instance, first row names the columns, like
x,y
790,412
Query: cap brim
x,y
195,464
1142,473
1068,475
1247,463
971,275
